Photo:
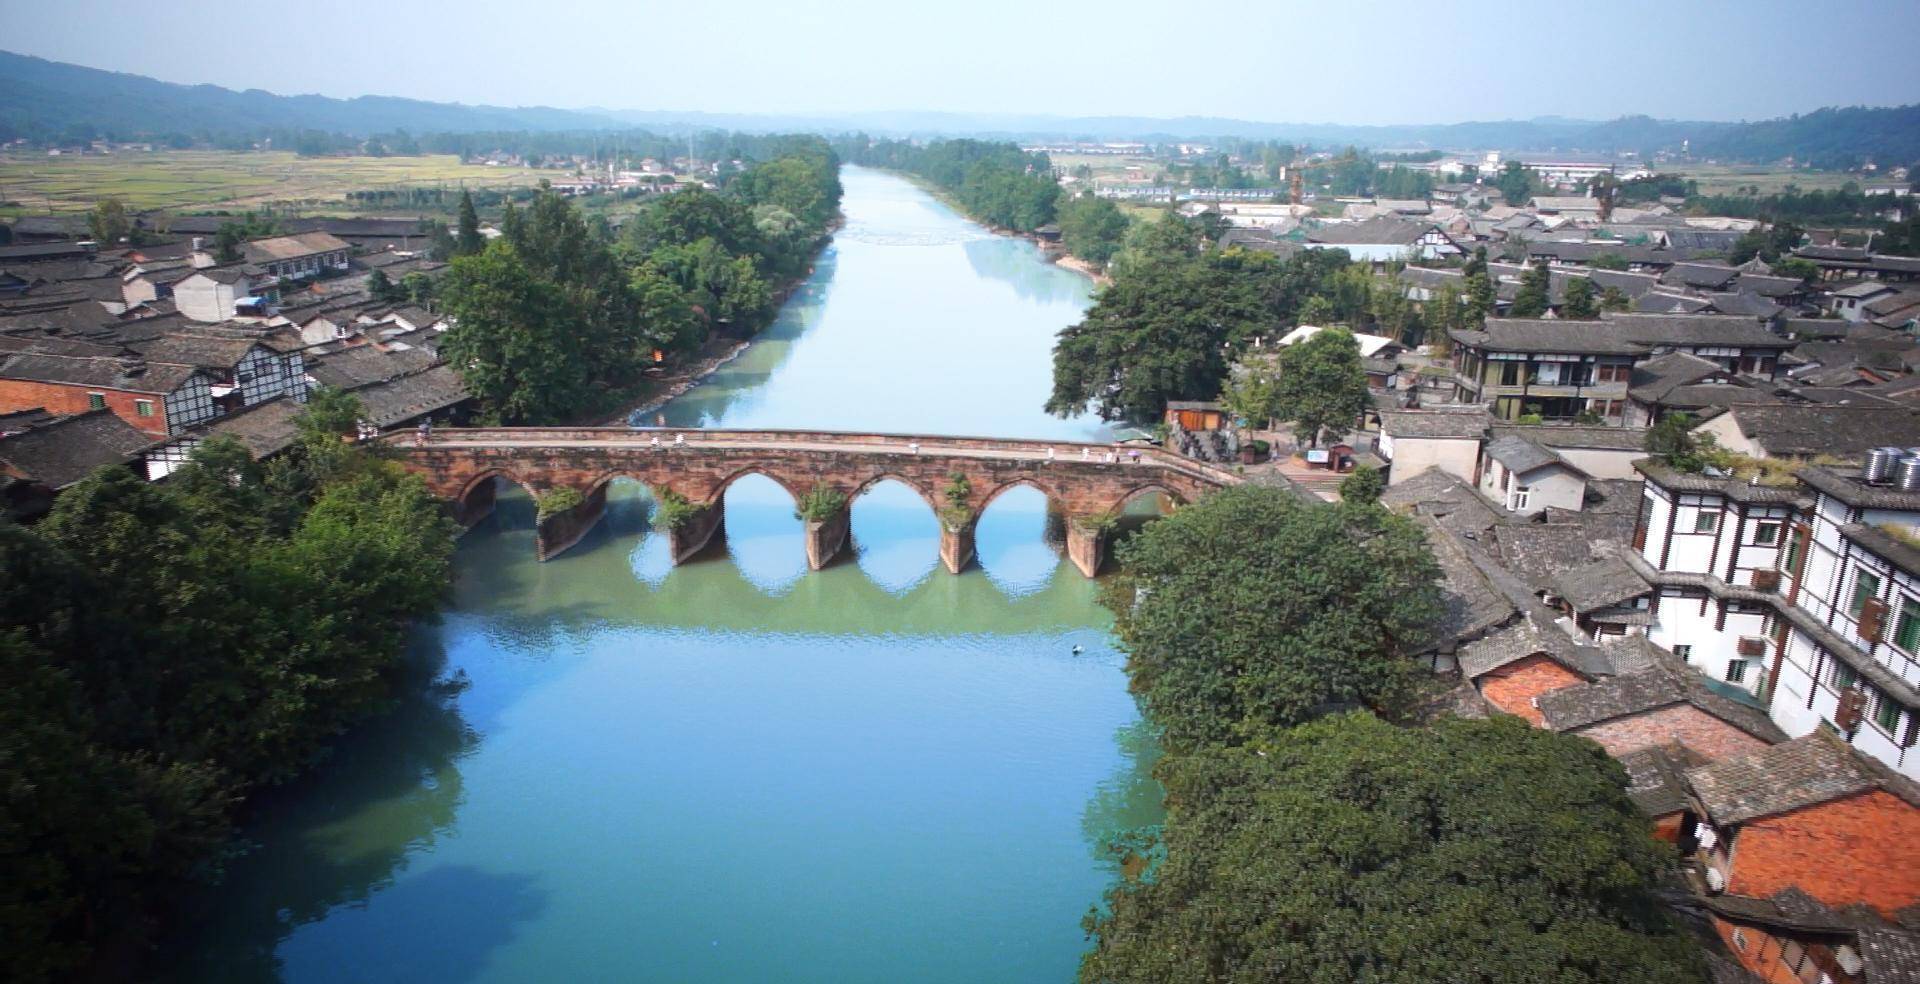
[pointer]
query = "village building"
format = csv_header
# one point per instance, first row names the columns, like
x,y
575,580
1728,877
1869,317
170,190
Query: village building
x,y
302,256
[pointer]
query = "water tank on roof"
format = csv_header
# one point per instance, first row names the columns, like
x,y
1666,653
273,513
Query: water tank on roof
x,y
1880,464
1906,475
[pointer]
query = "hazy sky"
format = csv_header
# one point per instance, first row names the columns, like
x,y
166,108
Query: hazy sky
x,y
1273,60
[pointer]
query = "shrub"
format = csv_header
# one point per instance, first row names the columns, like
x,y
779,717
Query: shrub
x,y
675,512
821,503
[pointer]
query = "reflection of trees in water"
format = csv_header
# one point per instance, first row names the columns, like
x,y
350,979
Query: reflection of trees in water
x,y
1126,809
1017,263
308,853
707,404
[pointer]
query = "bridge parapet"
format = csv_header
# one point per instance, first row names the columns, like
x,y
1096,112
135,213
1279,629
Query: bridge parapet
x,y
957,476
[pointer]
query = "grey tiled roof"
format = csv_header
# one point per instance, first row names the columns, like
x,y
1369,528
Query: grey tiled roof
x,y
1599,584
1667,683
1471,604
1537,552
1816,768
1516,642
1521,455
362,365
1892,955
1661,373
60,453
402,399
1576,436
1655,780
1793,430
1445,499
1450,422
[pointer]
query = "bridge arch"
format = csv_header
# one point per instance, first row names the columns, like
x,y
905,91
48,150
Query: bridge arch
x,y
867,485
487,476
1127,498
1052,494
720,488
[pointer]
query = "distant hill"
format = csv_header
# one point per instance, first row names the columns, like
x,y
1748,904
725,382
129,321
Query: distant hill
x,y
47,99
41,98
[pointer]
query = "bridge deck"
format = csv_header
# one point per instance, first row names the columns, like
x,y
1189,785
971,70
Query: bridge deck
x,y
826,442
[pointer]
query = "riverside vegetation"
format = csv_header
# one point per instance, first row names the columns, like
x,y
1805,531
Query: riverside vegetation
x,y
1314,832
173,649
557,318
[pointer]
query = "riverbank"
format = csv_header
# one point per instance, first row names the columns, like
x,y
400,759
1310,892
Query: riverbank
x,y
1057,256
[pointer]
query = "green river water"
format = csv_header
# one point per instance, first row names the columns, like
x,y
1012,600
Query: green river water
x,y
737,770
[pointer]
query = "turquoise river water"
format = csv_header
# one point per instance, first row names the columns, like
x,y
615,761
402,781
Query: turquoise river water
x,y
737,770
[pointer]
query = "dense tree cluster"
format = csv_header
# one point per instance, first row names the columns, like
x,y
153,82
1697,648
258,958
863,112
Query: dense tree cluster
x,y
1179,313
1352,850
169,648
1310,837
1092,228
997,183
555,314
1258,610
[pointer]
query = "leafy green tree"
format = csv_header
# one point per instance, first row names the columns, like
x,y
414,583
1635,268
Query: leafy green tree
x,y
227,241
108,222
467,240
1092,228
1614,299
1350,851
1363,486
1516,183
382,288
666,315
516,339
1608,261
1582,301
1253,393
1162,331
418,287
1322,386
1535,294
1252,609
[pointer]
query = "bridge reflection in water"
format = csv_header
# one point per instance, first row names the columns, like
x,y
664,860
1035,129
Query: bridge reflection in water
x,y
569,471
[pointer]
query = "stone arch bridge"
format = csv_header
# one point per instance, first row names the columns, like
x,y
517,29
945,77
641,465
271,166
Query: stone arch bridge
x,y
1087,483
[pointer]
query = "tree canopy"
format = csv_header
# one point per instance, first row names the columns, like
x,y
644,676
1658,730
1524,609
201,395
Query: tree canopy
x,y
1351,850
1321,385
1255,610
169,648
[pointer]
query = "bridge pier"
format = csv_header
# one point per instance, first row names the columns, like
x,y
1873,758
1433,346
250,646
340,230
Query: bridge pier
x,y
477,505
827,537
1087,542
556,532
687,540
956,545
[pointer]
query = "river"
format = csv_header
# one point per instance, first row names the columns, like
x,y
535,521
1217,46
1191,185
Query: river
x,y
736,770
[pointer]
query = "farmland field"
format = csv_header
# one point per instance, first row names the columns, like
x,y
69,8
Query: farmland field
x,y
216,180
1726,179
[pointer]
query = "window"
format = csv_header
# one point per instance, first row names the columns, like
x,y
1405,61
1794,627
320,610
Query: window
x,y
1886,713
1844,676
1866,584
143,407
1796,545
1766,534
1736,670
96,401
1517,499
1906,625
1683,652
1705,521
